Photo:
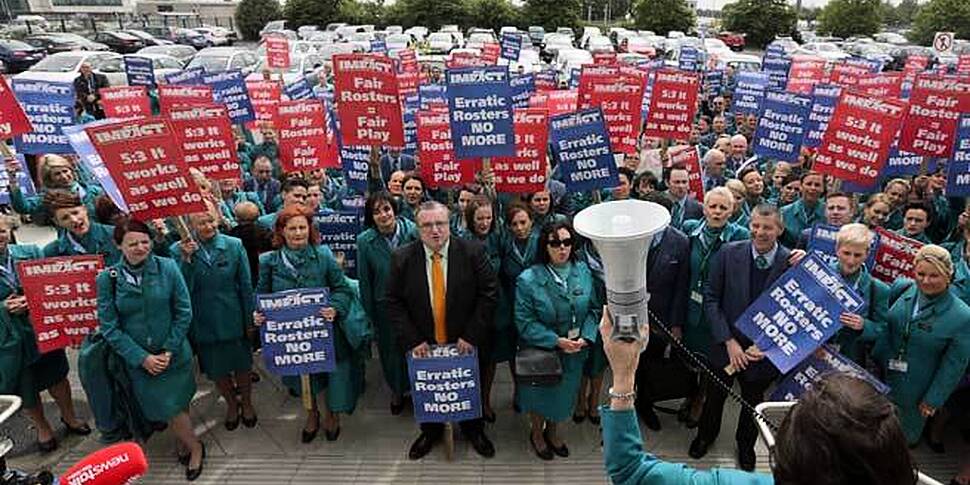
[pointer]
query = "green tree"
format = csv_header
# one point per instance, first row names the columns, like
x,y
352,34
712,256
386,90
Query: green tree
x,y
252,15
428,13
361,13
311,12
847,18
553,13
905,12
492,14
761,20
662,16
941,16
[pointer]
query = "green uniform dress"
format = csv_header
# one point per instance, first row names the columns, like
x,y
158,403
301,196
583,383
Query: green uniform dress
x,y
29,371
373,268
315,267
705,242
517,257
797,217
551,303
221,290
932,337
145,311
504,336
98,240
876,295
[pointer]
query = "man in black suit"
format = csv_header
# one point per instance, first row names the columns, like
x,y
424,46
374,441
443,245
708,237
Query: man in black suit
x,y
684,207
739,273
668,276
461,314
86,87
262,183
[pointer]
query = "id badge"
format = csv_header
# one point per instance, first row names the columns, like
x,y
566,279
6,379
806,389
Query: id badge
x,y
897,365
696,296
573,334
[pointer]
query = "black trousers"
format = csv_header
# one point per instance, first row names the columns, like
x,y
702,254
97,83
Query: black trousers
x,y
753,391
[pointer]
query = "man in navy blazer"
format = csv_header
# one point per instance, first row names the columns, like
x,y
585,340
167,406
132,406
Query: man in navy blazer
x,y
683,206
739,273
263,184
394,160
668,277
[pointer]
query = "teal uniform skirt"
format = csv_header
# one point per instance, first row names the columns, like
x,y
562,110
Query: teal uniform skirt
x,y
555,403
220,359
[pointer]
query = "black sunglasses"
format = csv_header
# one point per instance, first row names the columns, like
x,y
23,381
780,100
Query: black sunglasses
x,y
555,243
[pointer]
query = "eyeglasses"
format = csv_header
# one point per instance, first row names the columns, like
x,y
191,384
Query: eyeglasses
x,y
557,243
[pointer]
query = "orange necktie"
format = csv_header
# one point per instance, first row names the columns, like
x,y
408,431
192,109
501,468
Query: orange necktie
x,y
438,298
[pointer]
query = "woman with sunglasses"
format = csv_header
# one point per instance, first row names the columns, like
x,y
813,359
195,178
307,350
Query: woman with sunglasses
x,y
554,310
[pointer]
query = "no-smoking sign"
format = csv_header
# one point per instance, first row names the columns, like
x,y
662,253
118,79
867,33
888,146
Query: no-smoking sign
x,y
943,42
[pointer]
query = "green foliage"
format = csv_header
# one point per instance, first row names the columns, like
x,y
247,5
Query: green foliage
x,y
428,13
762,20
847,18
905,12
662,16
252,15
491,14
553,13
360,13
311,12
941,16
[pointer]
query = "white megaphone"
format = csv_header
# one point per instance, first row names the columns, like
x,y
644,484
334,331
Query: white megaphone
x,y
621,231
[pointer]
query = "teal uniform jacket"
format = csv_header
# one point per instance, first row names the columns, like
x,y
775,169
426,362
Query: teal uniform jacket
x,y
267,221
697,331
797,218
505,339
921,237
961,280
34,204
221,290
627,463
544,312
98,240
373,269
894,221
876,295
936,352
139,320
957,250
315,267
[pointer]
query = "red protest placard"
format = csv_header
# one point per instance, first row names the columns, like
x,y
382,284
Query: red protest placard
x,y
894,256
604,58
13,120
439,167
205,136
265,96
62,298
847,75
963,64
125,102
619,92
881,85
465,59
935,104
490,53
407,83
149,169
365,87
409,60
173,96
526,171
673,103
555,102
858,138
804,74
303,136
687,156
915,64
277,52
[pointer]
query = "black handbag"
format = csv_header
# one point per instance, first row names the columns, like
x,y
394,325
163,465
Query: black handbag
x,y
537,367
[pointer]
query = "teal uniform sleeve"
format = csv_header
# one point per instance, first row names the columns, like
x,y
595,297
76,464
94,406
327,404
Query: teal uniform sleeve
x,y
531,330
952,367
25,205
245,283
181,307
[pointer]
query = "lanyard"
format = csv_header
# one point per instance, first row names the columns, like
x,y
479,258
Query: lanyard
x,y
75,244
565,288
559,281
908,331
395,240
131,278
518,252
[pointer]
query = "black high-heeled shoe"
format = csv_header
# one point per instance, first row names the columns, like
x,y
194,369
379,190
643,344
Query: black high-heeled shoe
x,y
82,430
47,446
250,422
308,436
562,451
545,454
232,425
332,435
192,473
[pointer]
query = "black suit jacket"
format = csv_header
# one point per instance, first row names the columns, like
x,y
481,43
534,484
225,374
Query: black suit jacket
x,y
470,302
668,276
82,89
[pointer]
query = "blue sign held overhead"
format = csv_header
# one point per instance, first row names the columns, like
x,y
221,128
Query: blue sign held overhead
x,y
338,231
296,339
901,164
714,82
824,361
299,89
139,71
50,108
798,313
191,76
781,126
378,46
824,99
91,161
229,88
821,243
480,110
777,69
511,46
523,87
690,59
24,182
431,94
581,145
355,163
445,386
749,91
958,168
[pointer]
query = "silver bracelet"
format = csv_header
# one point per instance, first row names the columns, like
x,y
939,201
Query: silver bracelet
x,y
628,396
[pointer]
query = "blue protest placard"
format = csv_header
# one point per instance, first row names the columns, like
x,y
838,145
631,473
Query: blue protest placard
x,y
824,361
432,94
480,111
89,158
777,69
581,145
378,46
749,91
690,59
523,87
900,163
821,243
229,88
445,386
353,202
50,108
189,77
338,231
511,46
299,89
296,339
781,126
647,93
409,122
355,163
548,78
574,75
774,50
24,181
714,82
958,168
824,98
798,313
139,71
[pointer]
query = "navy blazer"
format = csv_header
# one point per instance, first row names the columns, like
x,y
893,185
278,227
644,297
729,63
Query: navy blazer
x,y
668,276
727,294
407,163
269,197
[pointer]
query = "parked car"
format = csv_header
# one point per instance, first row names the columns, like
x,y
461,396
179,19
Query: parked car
x,y
63,42
477,40
536,33
826,50
119,42
66,66
599,43
899,56
300,67
190,37
891,38
440,43
18,56
733,40
553,43
162,64
217,35
181,52
147,38
637,45
218,59
274,26
398,41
